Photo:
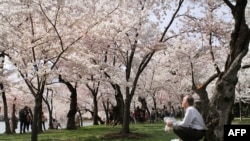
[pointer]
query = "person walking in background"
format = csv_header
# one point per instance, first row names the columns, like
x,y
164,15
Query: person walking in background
x,y
22,119
192,127
152,115
29,118
44,119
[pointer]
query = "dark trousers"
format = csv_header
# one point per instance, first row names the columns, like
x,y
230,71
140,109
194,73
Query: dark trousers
x,y
28,125
152,118
43,125
188,134
22,127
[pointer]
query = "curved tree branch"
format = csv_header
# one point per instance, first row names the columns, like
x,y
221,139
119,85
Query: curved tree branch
x,y
171,21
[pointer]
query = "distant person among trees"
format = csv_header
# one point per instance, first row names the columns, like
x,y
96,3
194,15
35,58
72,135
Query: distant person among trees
x,y
134,117
172,112
44,119
22,119
192,127
152,115
29,117
56,124
138,114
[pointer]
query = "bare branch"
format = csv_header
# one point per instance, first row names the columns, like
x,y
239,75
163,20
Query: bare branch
x,y
53,25
57,13
172,20
229,4
212,53
192,73
245,67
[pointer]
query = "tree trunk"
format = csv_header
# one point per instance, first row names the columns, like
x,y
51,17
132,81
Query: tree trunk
x,y
106,109
204,106
49,104
240,109
71,125
51,119
94,91
36,126
14,119
5,108
118,110
221,109
154,101
95,116
92,113
80,116
126,116
221,104
50,109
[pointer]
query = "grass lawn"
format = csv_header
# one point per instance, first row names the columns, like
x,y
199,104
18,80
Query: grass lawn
x,y
244,121
140,132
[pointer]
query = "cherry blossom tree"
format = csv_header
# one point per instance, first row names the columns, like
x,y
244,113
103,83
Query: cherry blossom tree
x,y
133,47
223,99
217,110
3,93
105,40
36,40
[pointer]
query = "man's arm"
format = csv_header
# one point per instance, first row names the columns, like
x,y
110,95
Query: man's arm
x,y
186,122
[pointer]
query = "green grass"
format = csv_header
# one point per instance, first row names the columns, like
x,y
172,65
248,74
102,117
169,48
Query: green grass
x,y
244,121
142,132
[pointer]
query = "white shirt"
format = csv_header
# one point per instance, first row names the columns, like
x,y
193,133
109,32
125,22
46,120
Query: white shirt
x,y
192,119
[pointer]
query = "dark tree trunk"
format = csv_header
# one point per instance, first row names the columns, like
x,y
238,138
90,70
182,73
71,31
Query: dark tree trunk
x,y
71,124
5,109
51,119
37,117
201,91
80,116
94,91
154,101
72,112
98,118
126,116
14,119
49,105
118,109
95,116
221,104
106,109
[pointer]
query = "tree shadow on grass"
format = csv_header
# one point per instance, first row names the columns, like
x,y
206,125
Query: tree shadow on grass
x,y
131,135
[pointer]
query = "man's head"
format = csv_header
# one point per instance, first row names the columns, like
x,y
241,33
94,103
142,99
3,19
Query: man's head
x,y
187,101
